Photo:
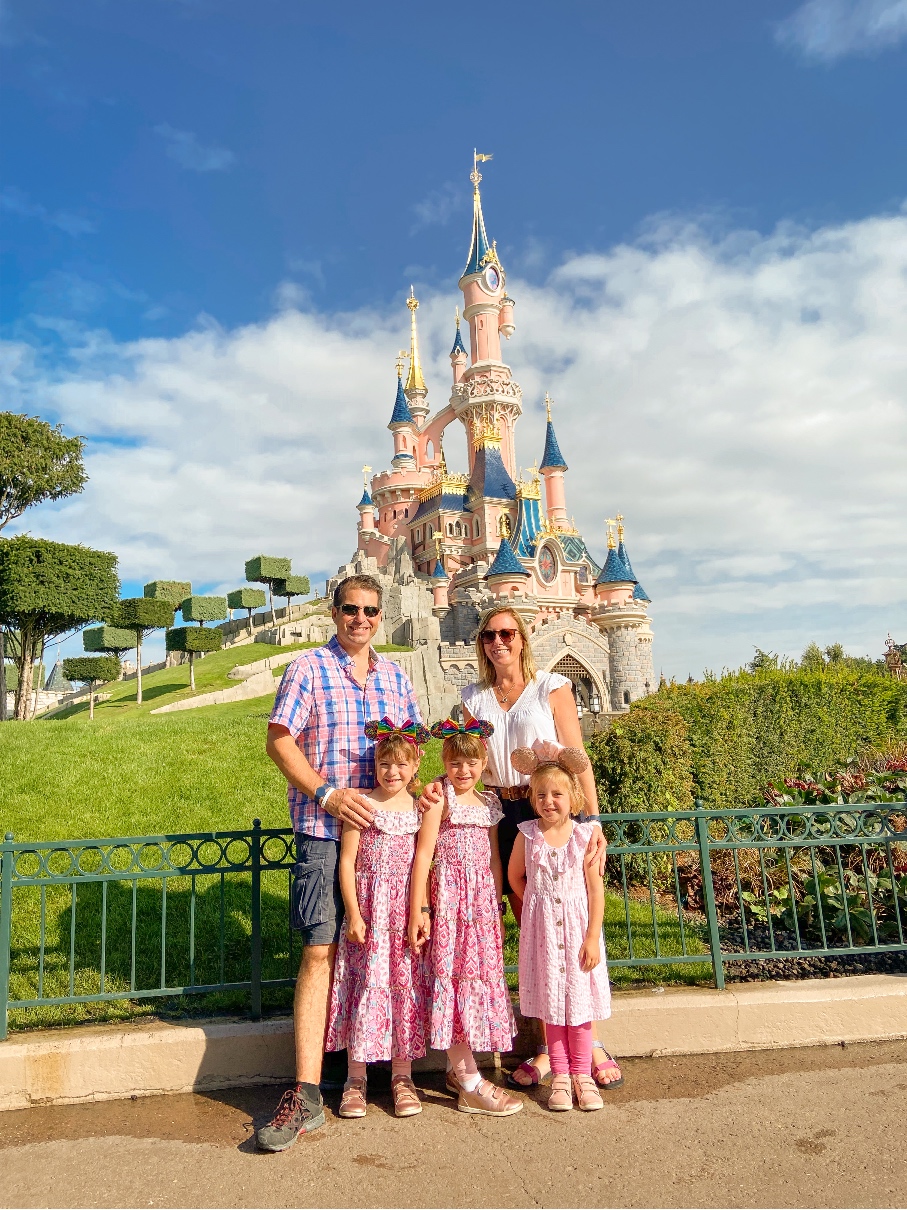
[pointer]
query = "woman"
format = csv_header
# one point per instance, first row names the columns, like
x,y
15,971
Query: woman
x,y
526,705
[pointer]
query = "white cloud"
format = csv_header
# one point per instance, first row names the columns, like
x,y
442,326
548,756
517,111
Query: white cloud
x,y
831,29
439,207
183,147
742,400
14,201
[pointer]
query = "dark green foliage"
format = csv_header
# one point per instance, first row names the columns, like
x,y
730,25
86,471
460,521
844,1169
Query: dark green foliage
x,y
142,613
36,463
174,592
264,569
194,638
108,639
204,609
48,588
643,763
292,586
247,598
37,677
748,729
91,668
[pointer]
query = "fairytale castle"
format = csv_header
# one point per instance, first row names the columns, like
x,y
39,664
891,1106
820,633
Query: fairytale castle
x,y
447,545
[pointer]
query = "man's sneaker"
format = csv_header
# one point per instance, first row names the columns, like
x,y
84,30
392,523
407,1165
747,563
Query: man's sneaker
x,y
293,1118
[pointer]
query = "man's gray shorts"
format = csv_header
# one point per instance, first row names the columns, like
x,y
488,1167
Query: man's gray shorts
x,y
316,905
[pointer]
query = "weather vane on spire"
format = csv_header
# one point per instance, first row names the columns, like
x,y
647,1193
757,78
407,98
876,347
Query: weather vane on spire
x,y
401,362
620,527
548,406
366,470
610,521
478,157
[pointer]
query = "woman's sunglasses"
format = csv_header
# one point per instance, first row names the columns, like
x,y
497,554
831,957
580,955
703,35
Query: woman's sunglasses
x,y
506,636
351,611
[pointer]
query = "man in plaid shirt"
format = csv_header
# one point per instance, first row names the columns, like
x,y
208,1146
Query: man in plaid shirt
x,y
316,737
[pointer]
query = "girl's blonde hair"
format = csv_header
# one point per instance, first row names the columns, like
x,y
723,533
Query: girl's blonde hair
x,y
395,747
486,668
567,781
471,747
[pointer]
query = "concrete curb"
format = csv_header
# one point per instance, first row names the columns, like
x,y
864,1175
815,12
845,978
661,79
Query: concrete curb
x,y
105,1062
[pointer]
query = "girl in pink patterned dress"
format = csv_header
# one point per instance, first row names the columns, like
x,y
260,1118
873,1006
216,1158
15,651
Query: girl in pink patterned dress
x,y
378,1000
563,977
469,1005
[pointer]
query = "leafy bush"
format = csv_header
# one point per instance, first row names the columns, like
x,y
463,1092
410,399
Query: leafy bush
x,y
174,592
108,639
195,639
141,614
644,763
291,586
247,598
265,569
91,668
204,609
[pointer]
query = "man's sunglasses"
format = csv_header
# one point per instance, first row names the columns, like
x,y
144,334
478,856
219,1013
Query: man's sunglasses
x,y
506,636
351,611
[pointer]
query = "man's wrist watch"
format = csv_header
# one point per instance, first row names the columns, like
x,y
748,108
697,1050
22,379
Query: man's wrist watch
x,y
321,794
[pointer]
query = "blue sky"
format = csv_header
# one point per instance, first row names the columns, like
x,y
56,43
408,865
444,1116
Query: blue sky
x,y
189,182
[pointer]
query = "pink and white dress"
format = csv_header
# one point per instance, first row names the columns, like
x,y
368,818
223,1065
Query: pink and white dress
x,y
553,987
378,1001
470,1000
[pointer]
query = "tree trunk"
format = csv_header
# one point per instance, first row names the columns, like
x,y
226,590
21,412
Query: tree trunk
x,y
91,699
138,667
25,666
271,596
2,676
192,671
34,700
250,621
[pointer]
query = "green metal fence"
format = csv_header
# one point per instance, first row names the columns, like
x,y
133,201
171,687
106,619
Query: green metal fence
x,y
160,916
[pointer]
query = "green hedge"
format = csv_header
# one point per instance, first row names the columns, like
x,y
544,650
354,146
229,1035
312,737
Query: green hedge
x,y
725,740
195,638
12,677
247,598
142,613
265,568
291,586
50,587
89,668
174,592
204,609
108,638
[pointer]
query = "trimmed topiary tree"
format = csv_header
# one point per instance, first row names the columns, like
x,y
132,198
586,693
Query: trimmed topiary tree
x,y
204,609
141,615
291,586
194,640
265,569
48,589
174,592
111,640
247,598
91,670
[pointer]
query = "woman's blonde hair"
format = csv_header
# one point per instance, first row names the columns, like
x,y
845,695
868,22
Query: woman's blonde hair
x,y
395,747
486,668
567,781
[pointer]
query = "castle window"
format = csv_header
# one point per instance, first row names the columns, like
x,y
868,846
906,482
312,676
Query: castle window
x,y
450,528
626,697
478,527
429,451
458,530
406,512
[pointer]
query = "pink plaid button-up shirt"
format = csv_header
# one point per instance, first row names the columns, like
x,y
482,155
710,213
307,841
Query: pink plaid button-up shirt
x,y
325,710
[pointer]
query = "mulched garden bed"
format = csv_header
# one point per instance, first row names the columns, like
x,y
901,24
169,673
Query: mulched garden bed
x,y
891,962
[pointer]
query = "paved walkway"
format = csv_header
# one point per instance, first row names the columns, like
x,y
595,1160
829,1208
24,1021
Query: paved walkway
x,y
819,1127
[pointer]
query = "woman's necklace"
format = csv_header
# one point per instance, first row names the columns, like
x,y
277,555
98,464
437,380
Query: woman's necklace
x,y
504,698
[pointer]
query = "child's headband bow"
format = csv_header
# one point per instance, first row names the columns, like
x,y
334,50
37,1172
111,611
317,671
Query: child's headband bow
x,y
475,726
546,752
384,728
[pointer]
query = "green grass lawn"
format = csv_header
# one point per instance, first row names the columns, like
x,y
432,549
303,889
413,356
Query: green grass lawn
x,y
131,773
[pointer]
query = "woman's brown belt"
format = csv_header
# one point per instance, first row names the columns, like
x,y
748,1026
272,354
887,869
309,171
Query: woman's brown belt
x,y
511,793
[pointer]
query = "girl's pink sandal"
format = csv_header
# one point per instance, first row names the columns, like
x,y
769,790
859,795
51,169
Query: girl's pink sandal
x,y
608,1066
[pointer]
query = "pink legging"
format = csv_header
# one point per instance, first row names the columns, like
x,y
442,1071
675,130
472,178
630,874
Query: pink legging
x,y
570,1048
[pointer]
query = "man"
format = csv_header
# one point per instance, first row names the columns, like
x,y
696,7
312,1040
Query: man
x,y
316,737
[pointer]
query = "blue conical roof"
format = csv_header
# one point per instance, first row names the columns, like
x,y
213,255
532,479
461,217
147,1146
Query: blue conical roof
x,y
625,559
366,500
478,249
639,593
439,573
401,414
490,477
552,459
458,346
506,563
615,571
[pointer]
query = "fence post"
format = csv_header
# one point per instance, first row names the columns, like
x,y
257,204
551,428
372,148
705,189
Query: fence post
x,y
708,893
256,920
6,912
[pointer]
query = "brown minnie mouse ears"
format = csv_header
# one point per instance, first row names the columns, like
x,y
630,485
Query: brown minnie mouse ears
x,y
544,752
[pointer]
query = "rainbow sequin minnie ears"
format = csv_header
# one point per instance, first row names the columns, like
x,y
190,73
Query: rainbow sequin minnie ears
x,y
546,752
475,726
413,733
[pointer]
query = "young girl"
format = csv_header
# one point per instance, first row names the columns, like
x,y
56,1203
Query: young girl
x,y
378,1001
563,978
469,1001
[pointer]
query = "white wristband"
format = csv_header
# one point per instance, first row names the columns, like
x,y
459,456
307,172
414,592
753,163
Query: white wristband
x,y
326,795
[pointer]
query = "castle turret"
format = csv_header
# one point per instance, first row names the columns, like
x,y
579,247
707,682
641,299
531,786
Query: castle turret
x,y
458,355
439,583
553,468
403,426
622,618
506,575
416,390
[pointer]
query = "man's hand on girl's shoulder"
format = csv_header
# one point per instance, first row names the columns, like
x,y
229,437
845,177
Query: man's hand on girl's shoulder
x,y
350,807
431,795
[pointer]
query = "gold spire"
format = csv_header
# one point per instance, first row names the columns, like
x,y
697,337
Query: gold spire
x,y
457,311
609,521
400,363
442,461
414,379
365,475
620,527
548,406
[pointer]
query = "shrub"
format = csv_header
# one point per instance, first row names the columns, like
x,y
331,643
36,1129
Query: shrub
x,y
111,639
47,589
204,609
643,763
266,569
141,615
91,669
195,640
174,592
247,598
